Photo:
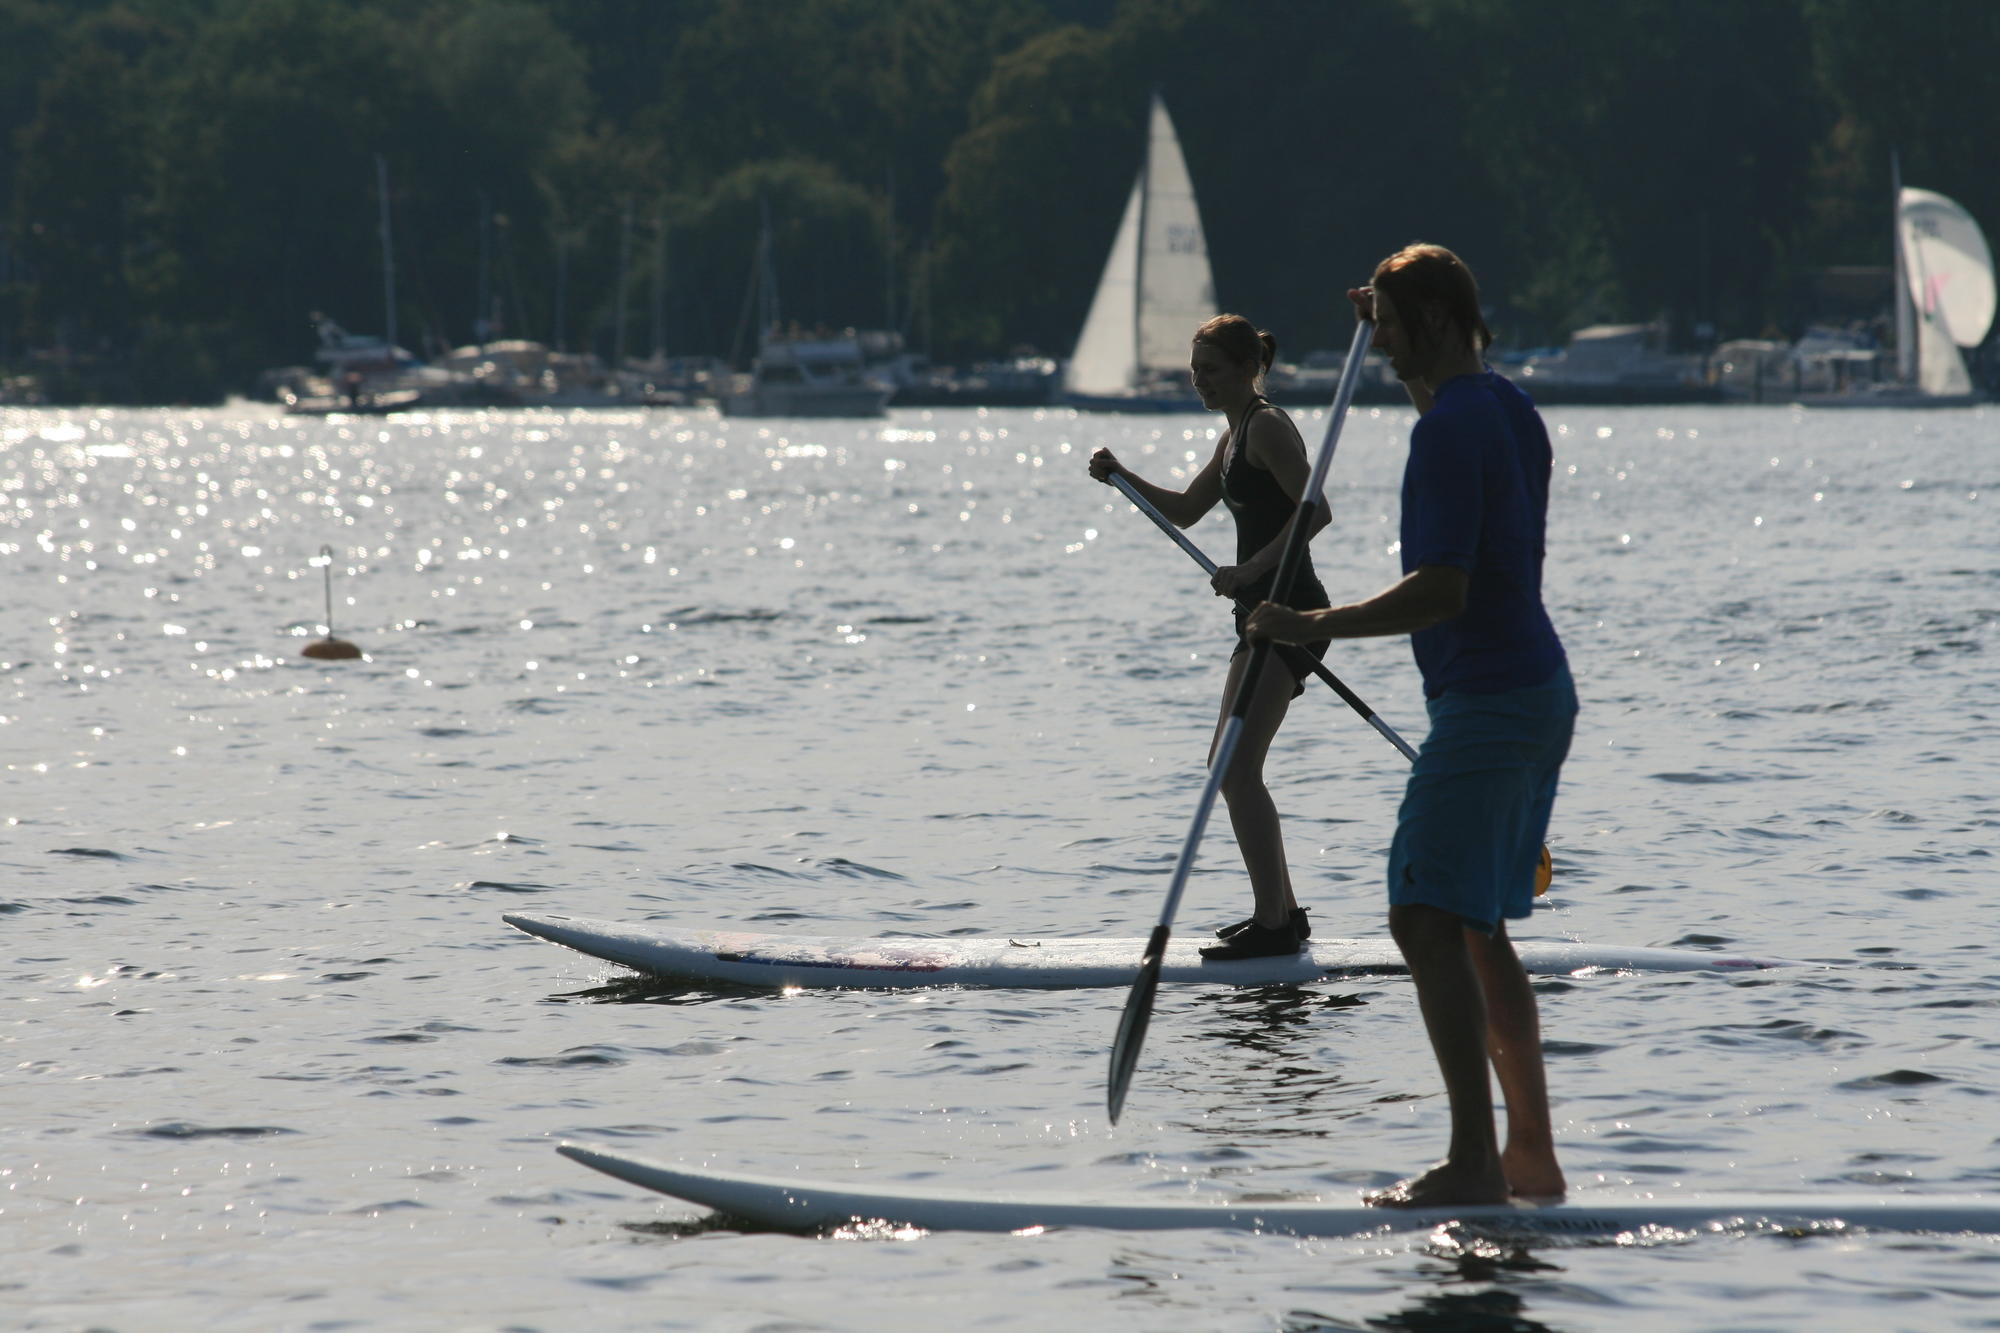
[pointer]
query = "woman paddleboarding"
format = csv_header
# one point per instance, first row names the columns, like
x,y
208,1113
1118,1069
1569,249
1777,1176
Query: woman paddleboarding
x,y
1259,470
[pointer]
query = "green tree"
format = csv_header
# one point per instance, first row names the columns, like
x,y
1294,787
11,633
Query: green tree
x,y
1282,111
1030,202
826,235
263,174
80,181
1914,79
1651,157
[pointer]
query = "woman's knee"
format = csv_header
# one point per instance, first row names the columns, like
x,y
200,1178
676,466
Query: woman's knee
x,y
1241,789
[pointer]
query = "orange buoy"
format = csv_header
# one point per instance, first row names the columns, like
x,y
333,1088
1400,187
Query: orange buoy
x,y
329,648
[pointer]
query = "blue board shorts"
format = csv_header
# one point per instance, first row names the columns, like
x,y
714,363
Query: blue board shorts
x,y
1476,810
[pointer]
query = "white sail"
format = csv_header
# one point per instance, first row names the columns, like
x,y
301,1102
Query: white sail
x,y
1156,287
1949,272
1106,359
1176,290
1949,265
1906,316
1940,369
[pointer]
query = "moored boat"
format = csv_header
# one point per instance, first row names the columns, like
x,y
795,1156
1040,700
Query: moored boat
x,y
807,375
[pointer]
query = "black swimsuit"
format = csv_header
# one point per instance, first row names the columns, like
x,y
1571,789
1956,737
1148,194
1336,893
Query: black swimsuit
x,y
1262,509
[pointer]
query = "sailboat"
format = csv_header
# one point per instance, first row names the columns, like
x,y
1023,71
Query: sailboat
x,y
1945,289
1156,289
1945,303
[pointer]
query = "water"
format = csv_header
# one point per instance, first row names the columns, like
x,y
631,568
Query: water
x,y
271,1060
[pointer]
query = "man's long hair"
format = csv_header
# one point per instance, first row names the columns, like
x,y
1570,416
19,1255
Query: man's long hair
x,y
1434,291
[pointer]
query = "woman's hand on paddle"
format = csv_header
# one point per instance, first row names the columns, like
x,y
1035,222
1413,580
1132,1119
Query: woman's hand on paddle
x,y
1104,465
1281,624
1231,580
1364,301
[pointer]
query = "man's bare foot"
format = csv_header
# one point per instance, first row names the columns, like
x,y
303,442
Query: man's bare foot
x,y
1446,1185
1533,1176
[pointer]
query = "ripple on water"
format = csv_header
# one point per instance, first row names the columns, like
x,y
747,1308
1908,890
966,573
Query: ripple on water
x,y
578,1058
181,1129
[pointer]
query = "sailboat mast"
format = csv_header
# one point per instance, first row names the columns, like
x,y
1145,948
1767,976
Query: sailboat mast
x,y
562,289
482,303
889,248
624,268
659,348
1139,262
1906,315
767,275
388,254
760,297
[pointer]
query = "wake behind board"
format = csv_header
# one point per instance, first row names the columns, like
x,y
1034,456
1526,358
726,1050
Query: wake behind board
x,y
785,961
801,1205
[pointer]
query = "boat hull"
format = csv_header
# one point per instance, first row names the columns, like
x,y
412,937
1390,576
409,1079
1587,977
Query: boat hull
x,y
1133,402
830,401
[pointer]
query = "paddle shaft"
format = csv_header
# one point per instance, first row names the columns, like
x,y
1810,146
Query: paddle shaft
x,y
1339,687
1139,1003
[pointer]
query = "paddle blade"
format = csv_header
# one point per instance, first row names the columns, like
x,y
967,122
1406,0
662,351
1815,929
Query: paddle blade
x,y
1545,872
1132,1026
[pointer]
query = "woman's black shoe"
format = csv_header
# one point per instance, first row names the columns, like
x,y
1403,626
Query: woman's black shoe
x,y
1300,926
1255,941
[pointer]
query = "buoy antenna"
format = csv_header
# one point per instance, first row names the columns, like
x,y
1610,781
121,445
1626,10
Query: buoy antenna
x,y
329,647
325,562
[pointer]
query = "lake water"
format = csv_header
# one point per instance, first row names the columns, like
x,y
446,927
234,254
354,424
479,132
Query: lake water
x,y
272,1061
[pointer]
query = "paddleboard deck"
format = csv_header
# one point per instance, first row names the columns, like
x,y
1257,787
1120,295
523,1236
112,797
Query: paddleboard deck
x,y
802,1205
788,961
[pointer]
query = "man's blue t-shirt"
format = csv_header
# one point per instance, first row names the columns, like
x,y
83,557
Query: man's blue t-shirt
x,y
1476,497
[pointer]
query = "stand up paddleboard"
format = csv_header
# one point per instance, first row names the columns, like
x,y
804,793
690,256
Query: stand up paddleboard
x,y
785,961
800,1205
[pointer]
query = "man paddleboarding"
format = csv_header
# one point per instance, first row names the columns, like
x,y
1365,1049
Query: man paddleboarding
x,y
1502,707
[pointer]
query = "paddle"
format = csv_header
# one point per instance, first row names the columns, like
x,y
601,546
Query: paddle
x,y
1139,1004
1354,700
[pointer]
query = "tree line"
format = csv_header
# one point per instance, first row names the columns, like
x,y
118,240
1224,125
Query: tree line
x,y
183,182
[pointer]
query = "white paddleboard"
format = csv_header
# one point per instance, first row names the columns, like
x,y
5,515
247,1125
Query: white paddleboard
x,y
786,961
802,1205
